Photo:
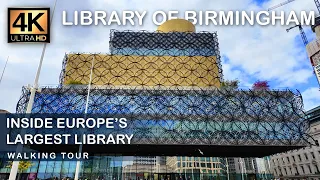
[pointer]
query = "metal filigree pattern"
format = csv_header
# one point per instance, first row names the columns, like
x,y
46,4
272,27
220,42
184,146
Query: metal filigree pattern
x,y
168,86
187,116
150,59
157,43
148,70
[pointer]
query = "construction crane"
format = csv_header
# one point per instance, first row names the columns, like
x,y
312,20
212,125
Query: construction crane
x,y
289,1
318,5
281,4
303,36
302,33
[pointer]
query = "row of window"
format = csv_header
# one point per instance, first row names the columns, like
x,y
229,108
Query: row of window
x,y
293,159
210,171
208,159
197,165
304,169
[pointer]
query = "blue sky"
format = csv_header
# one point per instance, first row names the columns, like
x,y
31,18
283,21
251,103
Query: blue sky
x,y
249,53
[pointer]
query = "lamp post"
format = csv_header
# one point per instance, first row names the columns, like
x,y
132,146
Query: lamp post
x,y
4,69
76,176
124,173
33,89
269,166
227,165
241,164
192,166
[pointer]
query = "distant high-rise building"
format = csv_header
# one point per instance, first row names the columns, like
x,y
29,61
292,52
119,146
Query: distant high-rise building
x,y
248,167
313,49
196,165
150,160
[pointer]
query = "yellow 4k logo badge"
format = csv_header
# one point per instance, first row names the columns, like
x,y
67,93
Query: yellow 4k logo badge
x,y
29,25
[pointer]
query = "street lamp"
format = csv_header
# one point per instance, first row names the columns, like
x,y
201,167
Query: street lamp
x,y
4,69
76,176
33,89
241,164
227,165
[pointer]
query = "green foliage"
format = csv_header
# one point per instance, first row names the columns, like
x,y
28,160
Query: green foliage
x,y
23,165
230,84
73,82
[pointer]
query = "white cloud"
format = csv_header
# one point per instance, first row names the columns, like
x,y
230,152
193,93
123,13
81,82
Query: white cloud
x,y
311,98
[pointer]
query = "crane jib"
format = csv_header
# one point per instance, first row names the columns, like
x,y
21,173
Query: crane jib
x,y
289,1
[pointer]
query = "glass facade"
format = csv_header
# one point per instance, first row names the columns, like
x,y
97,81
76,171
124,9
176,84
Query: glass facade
x,y
103,167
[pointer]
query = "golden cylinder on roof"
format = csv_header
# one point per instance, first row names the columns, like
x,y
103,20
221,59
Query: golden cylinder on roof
x,y
177,25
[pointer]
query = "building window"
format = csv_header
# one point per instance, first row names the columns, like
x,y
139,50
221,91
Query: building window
x,y
317,168
283,161
288,159
285,171
310,171
294,159
306,155
302,170
299,156
312,154
297,172
209,165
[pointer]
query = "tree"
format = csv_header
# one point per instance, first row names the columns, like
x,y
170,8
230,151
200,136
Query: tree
x,y
234,84
23,166
261,85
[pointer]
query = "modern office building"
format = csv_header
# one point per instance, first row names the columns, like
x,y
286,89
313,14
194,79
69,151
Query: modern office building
x,y
263,167
196,165
168,85
245,166
301,163
152,160
313,49
248,168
